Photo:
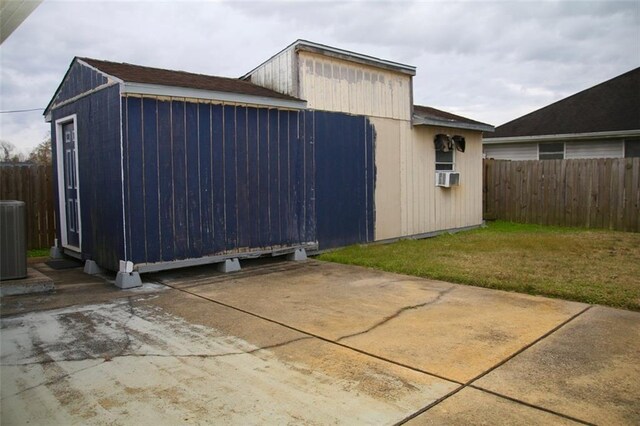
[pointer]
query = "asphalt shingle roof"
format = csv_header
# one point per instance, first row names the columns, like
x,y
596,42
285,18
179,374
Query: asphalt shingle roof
x,y
148,75
613,105
429,112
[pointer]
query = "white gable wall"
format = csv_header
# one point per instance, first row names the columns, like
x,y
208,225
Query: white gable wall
x,y
278,73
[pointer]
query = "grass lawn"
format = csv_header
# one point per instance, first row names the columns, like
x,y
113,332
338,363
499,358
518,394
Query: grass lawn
x,y
593,266
43,252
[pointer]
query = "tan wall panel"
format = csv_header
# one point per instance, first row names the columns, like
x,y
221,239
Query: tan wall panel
x,y
407,200
336,85
387,193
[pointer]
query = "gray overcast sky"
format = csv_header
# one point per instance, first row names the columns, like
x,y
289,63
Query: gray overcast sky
x,y
489,61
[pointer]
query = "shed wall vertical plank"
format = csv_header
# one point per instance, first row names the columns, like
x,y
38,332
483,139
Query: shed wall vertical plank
x,y
218,177
242,179
230,178
274,177
180,237
253,179
309,178
193,188
285,195
295,181
151,179
136,222
205,166
165,182
264,226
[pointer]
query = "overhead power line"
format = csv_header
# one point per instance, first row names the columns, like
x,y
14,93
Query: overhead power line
x,y
21,110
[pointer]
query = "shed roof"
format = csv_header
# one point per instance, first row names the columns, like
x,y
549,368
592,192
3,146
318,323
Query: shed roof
x,y
611,106
148,75
431,116
347,55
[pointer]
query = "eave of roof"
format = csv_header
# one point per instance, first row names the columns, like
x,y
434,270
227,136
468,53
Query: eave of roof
x,y
334,52
428,116
595,136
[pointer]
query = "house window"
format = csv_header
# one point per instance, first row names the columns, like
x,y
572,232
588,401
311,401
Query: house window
x,y
632,148
445,160
551,151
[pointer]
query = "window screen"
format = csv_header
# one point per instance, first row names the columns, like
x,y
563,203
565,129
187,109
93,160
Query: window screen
x,y
551,151
632,148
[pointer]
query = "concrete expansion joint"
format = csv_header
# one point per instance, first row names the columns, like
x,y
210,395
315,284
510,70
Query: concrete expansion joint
x,y
399,312
537,407
502,362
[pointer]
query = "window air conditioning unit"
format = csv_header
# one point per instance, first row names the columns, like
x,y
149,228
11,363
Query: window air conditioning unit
x,y
447,179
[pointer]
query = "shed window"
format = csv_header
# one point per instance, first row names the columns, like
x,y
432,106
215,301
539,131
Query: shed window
x,y
551,151
445,160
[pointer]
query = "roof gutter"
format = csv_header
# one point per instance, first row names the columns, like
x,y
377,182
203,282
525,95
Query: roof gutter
x,y
427,121
184,92
563,137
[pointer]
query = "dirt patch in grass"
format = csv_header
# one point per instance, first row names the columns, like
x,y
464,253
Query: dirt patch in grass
x,y
591,266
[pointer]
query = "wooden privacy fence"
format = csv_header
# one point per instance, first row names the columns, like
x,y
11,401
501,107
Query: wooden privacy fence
x,y
591,193
33,185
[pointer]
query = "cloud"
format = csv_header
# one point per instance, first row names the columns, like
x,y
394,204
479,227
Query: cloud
x,y
491,61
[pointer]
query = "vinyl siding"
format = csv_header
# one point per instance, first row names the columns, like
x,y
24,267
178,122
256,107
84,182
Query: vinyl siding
x,y
512,151
594,149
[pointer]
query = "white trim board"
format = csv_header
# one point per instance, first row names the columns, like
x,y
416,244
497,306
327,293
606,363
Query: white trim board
x,y
62,202
184,92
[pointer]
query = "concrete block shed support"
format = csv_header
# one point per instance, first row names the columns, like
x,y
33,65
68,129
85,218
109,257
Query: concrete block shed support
x,y
55,252
125,280
92,268
298,255
126,277
229,265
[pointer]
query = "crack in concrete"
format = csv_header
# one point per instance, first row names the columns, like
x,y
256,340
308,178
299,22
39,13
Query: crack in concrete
x,y
398,313
157,355
52,381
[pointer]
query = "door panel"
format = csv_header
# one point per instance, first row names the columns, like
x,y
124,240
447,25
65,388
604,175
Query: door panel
x,y
69,147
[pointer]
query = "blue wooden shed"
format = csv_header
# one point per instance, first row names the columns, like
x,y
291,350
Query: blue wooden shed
x,y
159,169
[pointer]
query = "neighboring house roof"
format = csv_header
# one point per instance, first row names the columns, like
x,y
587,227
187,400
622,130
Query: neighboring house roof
x,y
334,52
611,106
424,115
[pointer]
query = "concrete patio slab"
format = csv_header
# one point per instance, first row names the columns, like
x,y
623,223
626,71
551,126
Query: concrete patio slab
x,y
589,369
473,407
174,358
310,343
453,331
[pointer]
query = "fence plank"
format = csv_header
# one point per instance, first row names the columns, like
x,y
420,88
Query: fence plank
x,y
595,193
33,185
